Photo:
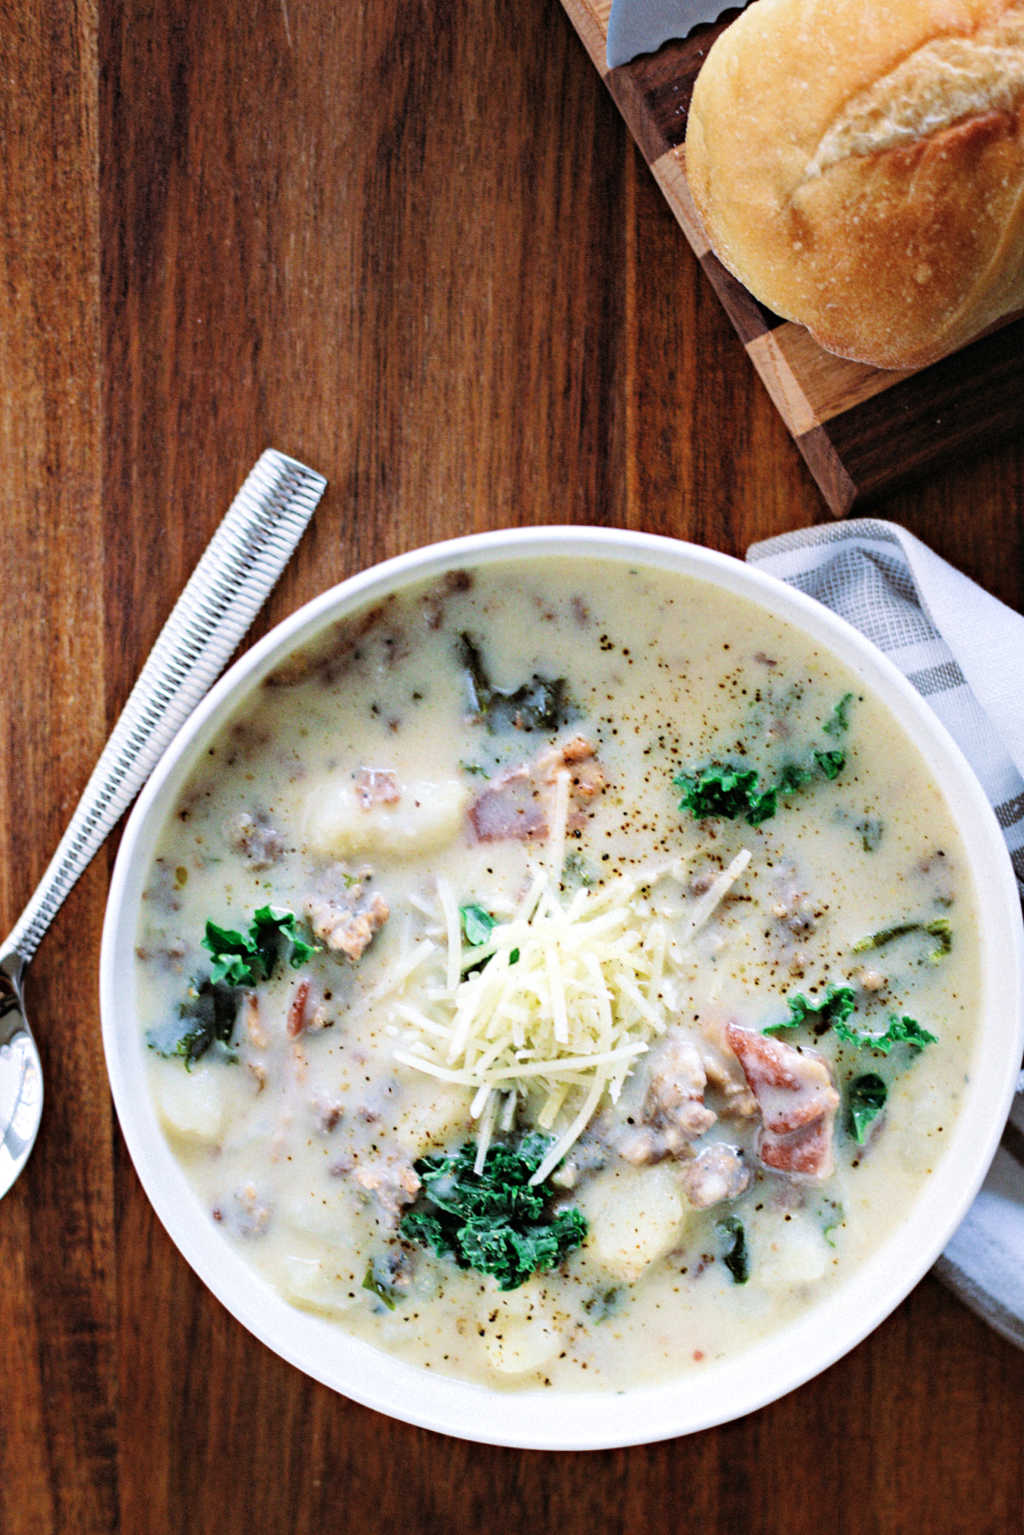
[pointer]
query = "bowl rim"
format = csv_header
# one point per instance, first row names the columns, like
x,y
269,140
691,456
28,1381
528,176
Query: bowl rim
x,y
723,1390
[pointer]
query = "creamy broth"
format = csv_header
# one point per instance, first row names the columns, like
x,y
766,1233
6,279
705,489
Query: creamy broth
x,y
493,762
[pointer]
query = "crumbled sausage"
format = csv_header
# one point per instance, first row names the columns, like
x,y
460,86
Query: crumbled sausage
x,y
346,918
673,1112
587,777
717,1173
675,1095
393,1182
252,835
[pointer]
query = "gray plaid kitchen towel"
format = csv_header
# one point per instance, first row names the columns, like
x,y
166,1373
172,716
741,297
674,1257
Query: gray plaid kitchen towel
x,y
964,652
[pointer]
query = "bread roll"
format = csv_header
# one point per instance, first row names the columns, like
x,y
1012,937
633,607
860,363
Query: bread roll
x,y
859,166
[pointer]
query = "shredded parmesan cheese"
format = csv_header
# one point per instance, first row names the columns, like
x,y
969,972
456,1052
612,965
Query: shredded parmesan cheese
x,y
559,1003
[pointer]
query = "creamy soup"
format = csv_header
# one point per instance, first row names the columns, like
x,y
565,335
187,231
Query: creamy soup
x,y
561,974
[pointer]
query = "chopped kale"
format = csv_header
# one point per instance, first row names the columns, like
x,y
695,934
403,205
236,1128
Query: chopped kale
x,y
838,1005
205,1018
832,1217
832,1011
736,1257
245,959
831,763
379,1287
541,704
865,1100
839,720
901,1031
477,924
871,831
793,777
605,1303
493,1221
476,768
718,791
576,871
725,790
939,929
207,1015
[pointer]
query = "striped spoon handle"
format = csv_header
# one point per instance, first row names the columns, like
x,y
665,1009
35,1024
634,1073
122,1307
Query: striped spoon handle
x,y
225,592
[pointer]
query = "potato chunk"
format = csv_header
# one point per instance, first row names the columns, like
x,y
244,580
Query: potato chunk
x,y
191,1104
338,821
318,1284
636,1216
524,1334
325,1214
799,1256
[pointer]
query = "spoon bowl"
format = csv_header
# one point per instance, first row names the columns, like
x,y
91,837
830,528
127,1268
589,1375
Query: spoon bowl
x,y
21,1075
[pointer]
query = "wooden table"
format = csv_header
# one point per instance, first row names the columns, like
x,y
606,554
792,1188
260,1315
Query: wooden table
x,y
412,245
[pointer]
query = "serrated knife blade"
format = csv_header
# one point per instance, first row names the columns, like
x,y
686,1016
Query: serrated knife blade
x,y
641,26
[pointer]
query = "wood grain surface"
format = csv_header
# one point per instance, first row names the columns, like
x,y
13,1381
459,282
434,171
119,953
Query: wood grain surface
x,y
413,245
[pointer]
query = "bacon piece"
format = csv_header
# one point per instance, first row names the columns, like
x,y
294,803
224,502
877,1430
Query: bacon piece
x,y
510,810
515,806
297,1010
797,1100
253,1023
807,1150
724,1072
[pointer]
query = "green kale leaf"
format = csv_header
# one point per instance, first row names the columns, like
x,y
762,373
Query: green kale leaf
x,y
831,1012
871,832
206,1018
832,1217
245,959
493,1221
830,764
543,703
725,790
207,1015
865,1100
602,1304
939,929
839,720
901,1031
378,1286
477,924
736,1256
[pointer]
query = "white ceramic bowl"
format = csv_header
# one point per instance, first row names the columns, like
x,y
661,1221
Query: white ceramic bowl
x,y
537,1418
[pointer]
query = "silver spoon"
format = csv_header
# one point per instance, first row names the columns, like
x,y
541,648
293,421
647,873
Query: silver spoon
x,y
225,592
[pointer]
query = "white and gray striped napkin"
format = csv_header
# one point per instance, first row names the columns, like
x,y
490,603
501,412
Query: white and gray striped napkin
x,y
964,652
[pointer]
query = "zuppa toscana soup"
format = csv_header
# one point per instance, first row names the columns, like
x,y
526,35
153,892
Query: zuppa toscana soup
x,y
561,974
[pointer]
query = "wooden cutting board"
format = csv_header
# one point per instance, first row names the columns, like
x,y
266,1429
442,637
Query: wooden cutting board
x,y
860,429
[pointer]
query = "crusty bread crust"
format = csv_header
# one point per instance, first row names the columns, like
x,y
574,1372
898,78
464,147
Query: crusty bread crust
x,y
859,166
